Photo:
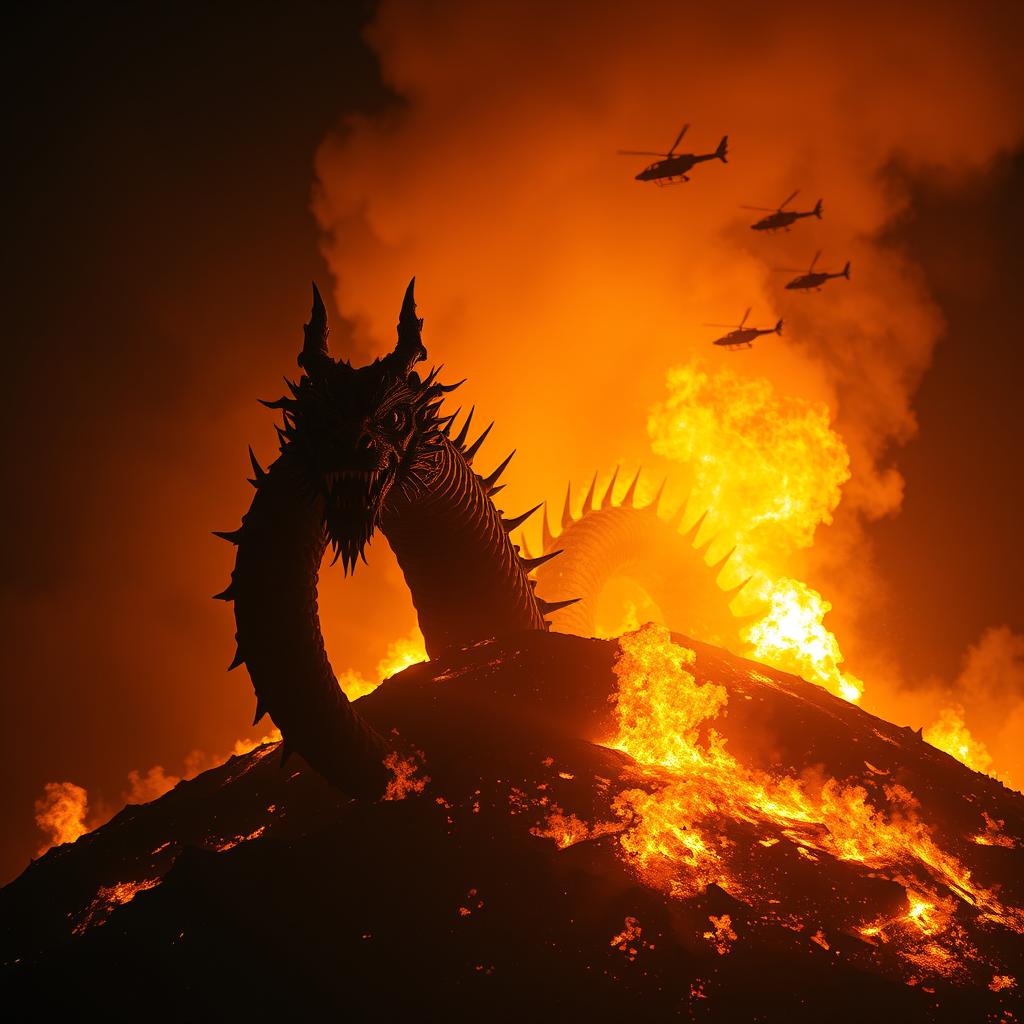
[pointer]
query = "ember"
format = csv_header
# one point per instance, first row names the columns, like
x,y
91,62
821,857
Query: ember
x,y
108,899
694,792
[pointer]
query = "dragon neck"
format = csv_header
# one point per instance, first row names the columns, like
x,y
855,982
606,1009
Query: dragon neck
x,y
467,581
466,578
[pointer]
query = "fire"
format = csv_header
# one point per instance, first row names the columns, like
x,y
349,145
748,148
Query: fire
x,y
950,733
405,778
108,899
61,813
722,935
401,654
690,788
790,636
993,834
768,469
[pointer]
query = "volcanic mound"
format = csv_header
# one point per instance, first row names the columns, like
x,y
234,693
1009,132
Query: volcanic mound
x,y
643,829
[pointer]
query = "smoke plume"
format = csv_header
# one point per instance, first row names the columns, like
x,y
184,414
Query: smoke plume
x,y
566,290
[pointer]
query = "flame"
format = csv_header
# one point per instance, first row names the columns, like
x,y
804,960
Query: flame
x,y
629,940
61,813
690,787
108,899
993,834
405,778
950,733
400,655
768,469
722,935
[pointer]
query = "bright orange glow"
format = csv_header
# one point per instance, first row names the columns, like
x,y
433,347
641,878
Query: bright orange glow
x,y
108,899
406,779
722,935
61,813
950,733
768,470
401,654
690,789
993,834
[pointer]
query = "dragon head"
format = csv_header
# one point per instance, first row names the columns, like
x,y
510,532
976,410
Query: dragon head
x,y
361,435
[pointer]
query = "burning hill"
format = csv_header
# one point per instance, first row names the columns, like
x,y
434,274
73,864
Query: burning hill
x,y
647,827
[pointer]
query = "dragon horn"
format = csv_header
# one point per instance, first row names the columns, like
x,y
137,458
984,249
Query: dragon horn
x,y
314,349
409,348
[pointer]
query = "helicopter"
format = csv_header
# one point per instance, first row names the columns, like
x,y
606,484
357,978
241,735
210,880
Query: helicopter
x,y
781,217
743,337
671,167
814,279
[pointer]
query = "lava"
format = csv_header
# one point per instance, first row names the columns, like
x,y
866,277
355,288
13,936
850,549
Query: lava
x,y
692,795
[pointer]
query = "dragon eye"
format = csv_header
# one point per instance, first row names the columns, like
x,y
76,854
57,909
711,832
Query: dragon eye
x,y
397,418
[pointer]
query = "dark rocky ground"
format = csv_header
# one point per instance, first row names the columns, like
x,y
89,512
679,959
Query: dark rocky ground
x,y
257,891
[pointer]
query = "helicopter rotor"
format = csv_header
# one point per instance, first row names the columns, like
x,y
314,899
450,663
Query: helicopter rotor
x,y
679,138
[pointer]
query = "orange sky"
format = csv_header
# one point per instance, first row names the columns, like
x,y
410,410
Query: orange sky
x,y
167,245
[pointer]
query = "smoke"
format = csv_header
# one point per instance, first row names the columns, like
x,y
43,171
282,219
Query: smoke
x,y
566,290
61,813
989,695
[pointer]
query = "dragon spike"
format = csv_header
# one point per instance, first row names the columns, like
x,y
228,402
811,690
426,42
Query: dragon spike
x,y
314,347
733,591
511,524
278,403
691,533
449,420
548,538
627,498
675,520
653,506
529,564
567,519
475,446
490,481
494,490
554,606
606,501
227,594
718,566
257,469
448,388
588,501
460,440
521,546
260,712
409,348
231,536
236,660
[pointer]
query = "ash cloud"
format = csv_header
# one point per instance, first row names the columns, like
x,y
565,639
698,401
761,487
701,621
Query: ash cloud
x,y
566,290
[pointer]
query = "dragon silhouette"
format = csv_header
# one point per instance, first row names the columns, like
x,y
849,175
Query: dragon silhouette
x,y
365,449
612,540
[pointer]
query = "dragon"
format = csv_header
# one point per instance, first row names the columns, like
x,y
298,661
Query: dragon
x,y
365,449
612,540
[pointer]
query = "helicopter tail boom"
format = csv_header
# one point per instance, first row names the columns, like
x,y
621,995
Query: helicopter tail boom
x,y
723,149
778,328
817,209
846,270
